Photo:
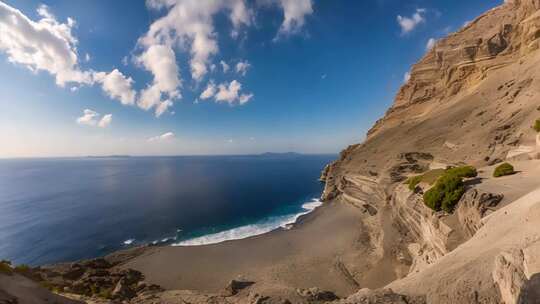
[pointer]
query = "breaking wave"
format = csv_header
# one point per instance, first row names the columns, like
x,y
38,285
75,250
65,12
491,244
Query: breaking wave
x,y
263,226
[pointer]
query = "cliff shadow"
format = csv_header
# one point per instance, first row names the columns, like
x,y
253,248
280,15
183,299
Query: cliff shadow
x,y
530,292
473,181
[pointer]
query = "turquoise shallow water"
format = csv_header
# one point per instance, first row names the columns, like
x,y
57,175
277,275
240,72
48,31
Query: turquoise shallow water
x,y
54,210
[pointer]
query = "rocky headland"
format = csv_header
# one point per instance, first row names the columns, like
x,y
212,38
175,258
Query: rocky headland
x,y
472,99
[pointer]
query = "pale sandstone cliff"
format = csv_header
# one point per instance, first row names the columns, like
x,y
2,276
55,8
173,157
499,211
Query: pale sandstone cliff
x,y
471,99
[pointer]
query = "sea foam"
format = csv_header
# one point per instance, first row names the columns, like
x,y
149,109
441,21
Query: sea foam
x,y
129,242
263,226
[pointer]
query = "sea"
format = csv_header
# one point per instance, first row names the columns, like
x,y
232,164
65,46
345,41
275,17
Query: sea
x,y
65,209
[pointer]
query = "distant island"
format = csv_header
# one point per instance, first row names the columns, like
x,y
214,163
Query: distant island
x,y
280,154
108,156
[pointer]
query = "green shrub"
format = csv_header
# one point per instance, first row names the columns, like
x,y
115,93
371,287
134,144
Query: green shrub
x,y
50,286
105,293
24,270
413,182
463,171
536,125
5,267
429,177
448,189
503,169
452,189
433,198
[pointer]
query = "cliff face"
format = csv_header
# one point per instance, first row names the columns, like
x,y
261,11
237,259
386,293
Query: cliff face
x,y
472,98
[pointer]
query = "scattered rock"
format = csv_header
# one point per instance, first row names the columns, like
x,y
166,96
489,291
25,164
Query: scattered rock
x,y
235,286
382,296
99,263
315,294
122,291
74,273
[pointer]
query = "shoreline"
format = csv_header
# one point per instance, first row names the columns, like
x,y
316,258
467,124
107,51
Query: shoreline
x,y
329,240
281,222
263,226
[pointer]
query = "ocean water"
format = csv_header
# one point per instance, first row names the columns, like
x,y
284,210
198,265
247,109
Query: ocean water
x,y
64,209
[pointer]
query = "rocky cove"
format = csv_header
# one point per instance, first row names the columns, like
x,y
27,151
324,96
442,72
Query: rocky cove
x,y
471,100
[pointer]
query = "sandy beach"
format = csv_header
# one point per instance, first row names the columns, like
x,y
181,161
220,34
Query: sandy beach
x,y
318,251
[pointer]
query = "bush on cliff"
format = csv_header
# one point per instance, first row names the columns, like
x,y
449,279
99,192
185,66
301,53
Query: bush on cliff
x,y
445,194
448,189
503,169
463,171
5,267
536,125
24,270
413,181
429,177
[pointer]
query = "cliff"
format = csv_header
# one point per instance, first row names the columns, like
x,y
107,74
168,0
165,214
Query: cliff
x,y
472,99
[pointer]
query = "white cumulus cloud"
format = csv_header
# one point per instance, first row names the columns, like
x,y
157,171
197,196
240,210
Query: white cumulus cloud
x,y
160,60
230,93
43,45
91,118
117,86
294,14
226,93
408,24
189,24
209,92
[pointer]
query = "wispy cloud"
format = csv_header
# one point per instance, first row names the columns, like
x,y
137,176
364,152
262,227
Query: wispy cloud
x,y
431,43
406,77
242,67
163,137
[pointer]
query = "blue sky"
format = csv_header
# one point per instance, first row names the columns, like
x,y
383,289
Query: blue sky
x,y
146,78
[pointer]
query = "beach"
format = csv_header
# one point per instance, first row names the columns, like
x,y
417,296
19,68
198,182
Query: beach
x,y
318,251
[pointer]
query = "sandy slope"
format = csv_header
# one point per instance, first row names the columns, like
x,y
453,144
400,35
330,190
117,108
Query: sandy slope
x,y
27,291
465,275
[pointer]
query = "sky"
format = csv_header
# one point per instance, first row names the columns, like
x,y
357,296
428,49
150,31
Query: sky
x,y
192,77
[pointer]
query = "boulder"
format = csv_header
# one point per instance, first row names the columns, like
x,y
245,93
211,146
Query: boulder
x,y
235,286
